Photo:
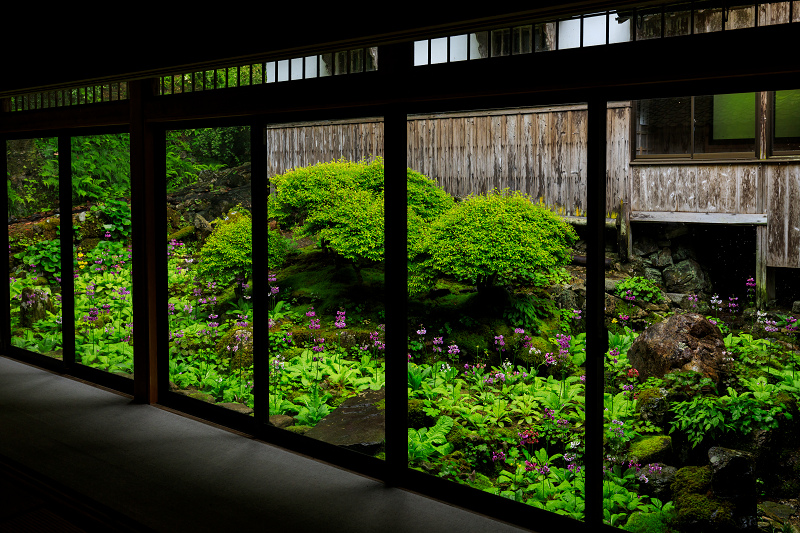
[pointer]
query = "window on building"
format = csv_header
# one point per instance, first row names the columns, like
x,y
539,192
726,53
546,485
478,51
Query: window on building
x,y
697,126
787,122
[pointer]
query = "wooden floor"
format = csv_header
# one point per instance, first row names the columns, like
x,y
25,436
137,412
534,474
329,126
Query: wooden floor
x,y
31,504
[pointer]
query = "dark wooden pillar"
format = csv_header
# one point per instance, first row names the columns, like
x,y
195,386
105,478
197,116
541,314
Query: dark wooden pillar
x,y
144,211
395,60
596,334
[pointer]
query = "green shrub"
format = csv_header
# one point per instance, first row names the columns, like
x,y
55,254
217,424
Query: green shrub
x,y
277,248
425,198
227,252
302,191
494,237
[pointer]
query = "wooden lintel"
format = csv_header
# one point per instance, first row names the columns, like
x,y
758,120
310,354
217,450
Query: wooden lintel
x,y
756,219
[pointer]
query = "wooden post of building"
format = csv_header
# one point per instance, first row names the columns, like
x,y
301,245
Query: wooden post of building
x,y
765,276
624,239
146,241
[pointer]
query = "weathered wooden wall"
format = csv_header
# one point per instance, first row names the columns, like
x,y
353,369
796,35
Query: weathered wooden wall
x,y
783,206
539,151
695,188
301,145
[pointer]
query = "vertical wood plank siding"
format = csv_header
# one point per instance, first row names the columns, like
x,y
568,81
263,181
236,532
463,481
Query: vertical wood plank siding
x,y
542,152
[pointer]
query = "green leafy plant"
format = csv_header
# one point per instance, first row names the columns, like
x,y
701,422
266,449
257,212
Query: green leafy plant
x,y
642,288
427,443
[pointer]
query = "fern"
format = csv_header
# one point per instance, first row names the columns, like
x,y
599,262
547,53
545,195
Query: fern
x,y
426,443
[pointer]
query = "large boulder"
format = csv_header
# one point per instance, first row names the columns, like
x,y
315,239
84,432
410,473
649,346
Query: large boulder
x,y
687,342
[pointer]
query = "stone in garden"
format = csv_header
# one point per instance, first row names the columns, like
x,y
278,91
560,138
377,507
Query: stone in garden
x,y
659,483
687,342
202,228
679,300
281,421
34,306
611,285
653,405
796,307
662,259
733,477
238,407
358,424
654,275
644,246
681,253
699,510
777,511
685,277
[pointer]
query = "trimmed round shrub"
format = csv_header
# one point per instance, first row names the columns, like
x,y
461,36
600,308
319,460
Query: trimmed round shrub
x,y
227,252
493,237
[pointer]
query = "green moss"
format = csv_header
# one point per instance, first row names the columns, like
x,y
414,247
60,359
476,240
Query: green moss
x,y
655,449
380,405
182,233
692,479
645,523
459,435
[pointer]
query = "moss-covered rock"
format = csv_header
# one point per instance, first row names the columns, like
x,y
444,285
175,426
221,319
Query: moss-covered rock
x,y
697,509
182,233
646,523
654,449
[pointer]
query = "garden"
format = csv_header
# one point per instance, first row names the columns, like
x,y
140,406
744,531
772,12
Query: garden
x,y
697,392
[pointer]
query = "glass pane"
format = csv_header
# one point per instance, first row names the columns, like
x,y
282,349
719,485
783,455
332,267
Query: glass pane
x,y
664,126
708,20
34,245
340,63
523,40
458,47
270,68
619,28
677,21
594,30
479,45
773,13
420,53
545,36
326,65
495,364
740,17
372,59
725,123
569,33
787,120
210,307
102,252
357,60
439,50
648,25
311,66
297,68
326,277
283,70
501,42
